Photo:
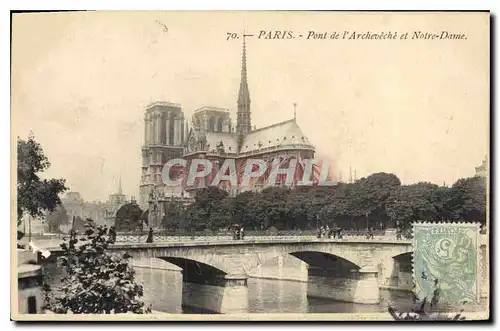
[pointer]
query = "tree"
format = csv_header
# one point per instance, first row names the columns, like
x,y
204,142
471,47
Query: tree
x,y
196,218
468,200
337,212
56,218
316,198
242,209
423,203
175,215
128,217
34,195
399,207
371,194
79,224
221,215
273,206
210,204
296,210
96,280
416,202
441,199
254,216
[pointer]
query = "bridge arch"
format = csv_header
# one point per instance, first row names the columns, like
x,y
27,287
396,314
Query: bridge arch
x,y
194,271
308,262
325,260
313,253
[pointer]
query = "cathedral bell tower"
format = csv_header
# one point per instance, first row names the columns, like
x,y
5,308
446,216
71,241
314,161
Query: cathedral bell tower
x,y
243,122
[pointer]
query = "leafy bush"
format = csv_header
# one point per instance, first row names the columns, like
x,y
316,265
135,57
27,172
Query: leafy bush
x,y
96,281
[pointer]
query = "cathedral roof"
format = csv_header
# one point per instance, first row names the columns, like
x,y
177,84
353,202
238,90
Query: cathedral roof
x,y
283,135
286,134
230,141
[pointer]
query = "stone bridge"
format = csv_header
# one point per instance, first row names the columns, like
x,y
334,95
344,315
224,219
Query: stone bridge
x,y
215,272
236,258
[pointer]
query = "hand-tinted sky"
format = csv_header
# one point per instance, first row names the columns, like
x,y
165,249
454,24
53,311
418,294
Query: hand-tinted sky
x,y
416,108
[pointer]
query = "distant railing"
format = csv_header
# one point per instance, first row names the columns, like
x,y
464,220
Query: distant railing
x,y
183,236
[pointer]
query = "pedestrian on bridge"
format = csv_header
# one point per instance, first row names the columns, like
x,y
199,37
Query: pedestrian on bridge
x,y
399,233
332,232
370,234
149,240
338,231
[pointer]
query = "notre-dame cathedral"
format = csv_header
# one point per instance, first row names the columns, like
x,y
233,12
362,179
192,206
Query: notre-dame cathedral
x,y
211,136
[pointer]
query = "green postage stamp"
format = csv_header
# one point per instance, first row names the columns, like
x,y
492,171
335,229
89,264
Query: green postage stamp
x,y
445,261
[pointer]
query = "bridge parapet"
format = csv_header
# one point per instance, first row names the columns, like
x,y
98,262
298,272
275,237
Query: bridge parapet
x,y
216,239
209,241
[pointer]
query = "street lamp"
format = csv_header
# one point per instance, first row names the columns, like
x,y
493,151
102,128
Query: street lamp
x,y
29,228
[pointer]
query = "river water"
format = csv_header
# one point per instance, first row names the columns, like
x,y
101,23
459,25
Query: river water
x,y
163,291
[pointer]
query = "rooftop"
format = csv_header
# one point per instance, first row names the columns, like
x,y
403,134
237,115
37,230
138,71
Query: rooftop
x,y
280,135
212,108
163,103
73,196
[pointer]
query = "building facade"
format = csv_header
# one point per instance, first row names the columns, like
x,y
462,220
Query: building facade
x,y
212,136
482,170
103,213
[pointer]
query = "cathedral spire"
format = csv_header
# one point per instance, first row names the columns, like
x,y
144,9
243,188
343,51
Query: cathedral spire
x,y
244,67
243,124
120,186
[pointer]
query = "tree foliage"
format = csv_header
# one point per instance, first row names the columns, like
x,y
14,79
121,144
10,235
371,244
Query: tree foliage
x,y
55,219
129,217
96,281
468,199
175,215
211,210
377,201
371,195
35,195
79,225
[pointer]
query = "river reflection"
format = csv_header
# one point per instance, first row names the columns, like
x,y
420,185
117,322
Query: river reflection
x,y
163,290
278,296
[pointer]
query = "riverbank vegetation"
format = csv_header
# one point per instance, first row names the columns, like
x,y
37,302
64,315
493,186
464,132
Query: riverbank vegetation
x,y
35,196
378,201
95,281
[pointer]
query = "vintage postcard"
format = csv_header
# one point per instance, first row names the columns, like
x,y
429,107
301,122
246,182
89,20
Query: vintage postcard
x,y
285,165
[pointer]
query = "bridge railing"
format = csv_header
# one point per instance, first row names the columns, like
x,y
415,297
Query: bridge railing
x,y
170,236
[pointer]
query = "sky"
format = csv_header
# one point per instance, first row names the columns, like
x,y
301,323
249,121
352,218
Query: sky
x,y
415,108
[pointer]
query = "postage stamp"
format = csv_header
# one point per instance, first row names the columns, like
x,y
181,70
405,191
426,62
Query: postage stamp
x,y
445,261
